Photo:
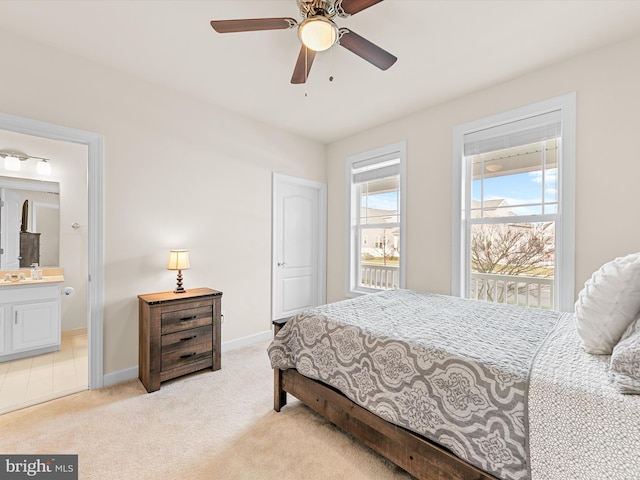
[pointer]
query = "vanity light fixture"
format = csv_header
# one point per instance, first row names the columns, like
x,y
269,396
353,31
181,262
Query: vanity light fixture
x,y
13,160
12,163
178,260
44,167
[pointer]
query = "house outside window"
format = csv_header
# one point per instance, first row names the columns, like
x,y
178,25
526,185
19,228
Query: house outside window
x,y
514,186
375,184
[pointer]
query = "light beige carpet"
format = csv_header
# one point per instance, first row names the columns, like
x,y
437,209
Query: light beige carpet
x,y
210,425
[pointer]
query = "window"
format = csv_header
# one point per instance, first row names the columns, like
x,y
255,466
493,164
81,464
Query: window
x,y
513,206
375,196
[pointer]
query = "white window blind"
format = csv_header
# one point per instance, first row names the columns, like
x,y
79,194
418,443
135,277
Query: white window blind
x,y
376,168
514,134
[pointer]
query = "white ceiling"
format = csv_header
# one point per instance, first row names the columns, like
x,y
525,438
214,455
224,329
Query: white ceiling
x,y
445,48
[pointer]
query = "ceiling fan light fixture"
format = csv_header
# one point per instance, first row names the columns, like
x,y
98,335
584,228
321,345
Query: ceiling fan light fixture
x,y
318,33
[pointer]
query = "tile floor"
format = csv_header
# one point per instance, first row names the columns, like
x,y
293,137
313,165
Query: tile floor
x,y
37,379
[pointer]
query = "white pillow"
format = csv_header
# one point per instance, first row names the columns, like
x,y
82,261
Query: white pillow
x,y
608,303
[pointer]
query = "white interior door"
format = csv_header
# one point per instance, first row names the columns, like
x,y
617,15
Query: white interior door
x,y
10,219
299,245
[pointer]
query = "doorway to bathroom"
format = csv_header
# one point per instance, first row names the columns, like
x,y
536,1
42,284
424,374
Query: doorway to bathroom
x,y
75,158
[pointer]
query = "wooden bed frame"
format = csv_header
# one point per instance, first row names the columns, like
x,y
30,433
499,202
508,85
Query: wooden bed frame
x,y
420,457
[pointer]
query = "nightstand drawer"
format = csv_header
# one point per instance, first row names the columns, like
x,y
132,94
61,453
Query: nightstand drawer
x,y
184,356
187,338
187,318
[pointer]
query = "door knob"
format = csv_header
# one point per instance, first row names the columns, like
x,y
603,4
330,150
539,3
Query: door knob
x,y
281,264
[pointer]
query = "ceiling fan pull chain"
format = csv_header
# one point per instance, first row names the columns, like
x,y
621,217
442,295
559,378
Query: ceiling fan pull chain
x,y
306,70
331,64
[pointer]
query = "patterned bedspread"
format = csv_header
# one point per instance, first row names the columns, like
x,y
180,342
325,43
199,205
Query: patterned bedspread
x,y
456,371
579,425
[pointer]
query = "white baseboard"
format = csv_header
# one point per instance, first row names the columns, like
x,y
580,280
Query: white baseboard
x,y
132,372
74,332
120,376
246,341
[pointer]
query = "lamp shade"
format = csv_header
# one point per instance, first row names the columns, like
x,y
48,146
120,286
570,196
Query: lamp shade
x,y
178,260
318,33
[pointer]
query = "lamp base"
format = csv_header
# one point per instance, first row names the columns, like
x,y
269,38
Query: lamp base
x,y
179,288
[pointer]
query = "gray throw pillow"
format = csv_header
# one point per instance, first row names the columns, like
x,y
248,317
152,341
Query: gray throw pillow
x,y
625,360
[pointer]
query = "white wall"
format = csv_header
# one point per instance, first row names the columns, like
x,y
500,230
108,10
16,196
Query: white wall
x,y
607,166
178,174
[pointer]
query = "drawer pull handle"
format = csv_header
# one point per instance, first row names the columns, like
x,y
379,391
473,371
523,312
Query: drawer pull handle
x,y
188,338
188,355
186,319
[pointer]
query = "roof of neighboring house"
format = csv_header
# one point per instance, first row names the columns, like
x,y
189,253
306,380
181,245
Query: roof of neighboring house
x,y
494,207
374,212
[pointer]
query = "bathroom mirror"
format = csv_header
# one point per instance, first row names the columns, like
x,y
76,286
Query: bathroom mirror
x,y
29,223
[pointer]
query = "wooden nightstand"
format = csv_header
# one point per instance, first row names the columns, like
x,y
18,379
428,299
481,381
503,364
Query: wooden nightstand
x,y
179,333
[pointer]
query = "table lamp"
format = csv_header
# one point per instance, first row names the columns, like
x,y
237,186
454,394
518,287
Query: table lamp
x,y
178,260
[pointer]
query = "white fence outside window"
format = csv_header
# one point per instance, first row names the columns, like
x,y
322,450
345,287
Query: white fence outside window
x,y
382,277
513,289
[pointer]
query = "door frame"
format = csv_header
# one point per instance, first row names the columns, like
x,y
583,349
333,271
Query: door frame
x,y
6,237
95,280
321,188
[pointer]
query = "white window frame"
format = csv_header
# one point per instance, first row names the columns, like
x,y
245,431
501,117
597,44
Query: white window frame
x,y
565,224
352,244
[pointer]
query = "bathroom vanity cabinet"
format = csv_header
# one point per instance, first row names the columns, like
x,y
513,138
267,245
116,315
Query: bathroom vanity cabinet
x,y
29,320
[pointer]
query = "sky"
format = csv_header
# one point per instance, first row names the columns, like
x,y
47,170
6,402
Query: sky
x,y
519,189
516,189
383,201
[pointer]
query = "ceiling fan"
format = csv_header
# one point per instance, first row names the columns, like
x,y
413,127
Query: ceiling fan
x,y
317,32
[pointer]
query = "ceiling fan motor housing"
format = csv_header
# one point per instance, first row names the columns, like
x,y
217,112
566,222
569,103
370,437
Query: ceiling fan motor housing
x,y
314,8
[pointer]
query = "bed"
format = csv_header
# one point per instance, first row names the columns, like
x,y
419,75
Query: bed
x,y
460,389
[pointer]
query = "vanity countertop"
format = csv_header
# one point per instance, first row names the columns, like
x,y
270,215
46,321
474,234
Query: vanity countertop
x,y
49,275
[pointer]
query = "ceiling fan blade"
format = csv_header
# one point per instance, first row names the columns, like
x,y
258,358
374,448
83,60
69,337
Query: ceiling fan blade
x,y
305,59
365,49
351,7
252,24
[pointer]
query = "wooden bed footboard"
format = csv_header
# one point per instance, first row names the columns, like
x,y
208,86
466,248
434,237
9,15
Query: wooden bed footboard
x,y
417,455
